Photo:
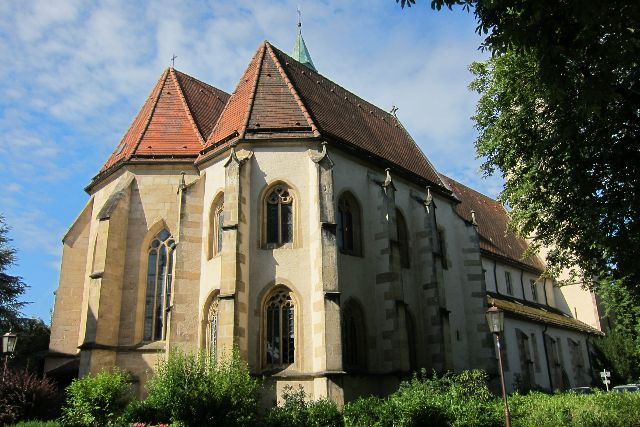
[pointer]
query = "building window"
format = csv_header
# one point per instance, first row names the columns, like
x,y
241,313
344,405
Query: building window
x,y
507,279
216,222
534,290
212,328
280,328
279,216
158,293
353,337
348,220
403,240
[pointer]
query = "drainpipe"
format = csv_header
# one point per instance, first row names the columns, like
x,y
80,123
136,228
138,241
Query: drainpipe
x,y
546,356
544,288
522,284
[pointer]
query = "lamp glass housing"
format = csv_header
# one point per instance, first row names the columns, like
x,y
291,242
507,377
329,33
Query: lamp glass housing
x,y
9,342
495,320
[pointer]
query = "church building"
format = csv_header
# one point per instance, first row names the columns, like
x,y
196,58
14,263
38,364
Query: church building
x,y
302,225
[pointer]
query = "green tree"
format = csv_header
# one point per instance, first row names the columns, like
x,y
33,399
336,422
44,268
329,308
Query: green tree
x,y
559,118
11,287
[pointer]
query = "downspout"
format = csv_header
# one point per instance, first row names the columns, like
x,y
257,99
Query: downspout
x,y
544,288
522,284
546,356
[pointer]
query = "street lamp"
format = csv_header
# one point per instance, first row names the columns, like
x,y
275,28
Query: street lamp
x,y
495,319
8,347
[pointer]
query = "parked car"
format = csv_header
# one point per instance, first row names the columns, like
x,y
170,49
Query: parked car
x,y
627,388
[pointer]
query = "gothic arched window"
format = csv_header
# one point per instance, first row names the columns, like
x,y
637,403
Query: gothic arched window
x,y
353,337
211,337
279,216
280,328
158,292
348,222
216,222
403,239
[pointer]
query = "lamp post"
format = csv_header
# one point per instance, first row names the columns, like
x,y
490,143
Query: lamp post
x,y
495,319
8,347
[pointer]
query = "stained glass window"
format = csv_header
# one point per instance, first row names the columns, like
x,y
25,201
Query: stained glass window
x,y
280,333
279,211
212,328
216,222
158,289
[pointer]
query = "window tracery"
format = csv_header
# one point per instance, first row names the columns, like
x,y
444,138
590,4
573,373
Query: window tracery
x,y
279,216
280,328
158,286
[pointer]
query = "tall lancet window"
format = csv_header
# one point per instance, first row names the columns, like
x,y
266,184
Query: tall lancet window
x,y
216,222
280,328
212,328
159,278
279,216
348,221
403,239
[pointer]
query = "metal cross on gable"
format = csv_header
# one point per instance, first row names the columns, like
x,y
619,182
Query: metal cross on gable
x,y
173,60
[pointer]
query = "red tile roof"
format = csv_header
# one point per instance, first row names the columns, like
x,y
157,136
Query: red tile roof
x,y
175,120
278,96
492,219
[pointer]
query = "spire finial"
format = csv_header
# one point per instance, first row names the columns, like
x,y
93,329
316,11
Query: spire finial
x,y
173,60
300,52
299,19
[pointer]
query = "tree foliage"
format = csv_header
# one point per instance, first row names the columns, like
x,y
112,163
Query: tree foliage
x,y
559,118
11,287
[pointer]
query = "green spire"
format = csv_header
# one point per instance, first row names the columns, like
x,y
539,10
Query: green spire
x,y
300,52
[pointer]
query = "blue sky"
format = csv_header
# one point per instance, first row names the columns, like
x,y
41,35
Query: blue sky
x,y
74,73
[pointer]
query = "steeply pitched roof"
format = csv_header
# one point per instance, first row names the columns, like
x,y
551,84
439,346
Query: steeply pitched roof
x,y
174,121
538,313
279,97
495,236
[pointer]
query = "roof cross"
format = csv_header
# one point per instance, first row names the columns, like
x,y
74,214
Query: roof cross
x,y
394,109
173,60
299,18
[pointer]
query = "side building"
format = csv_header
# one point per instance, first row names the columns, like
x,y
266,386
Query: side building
x,y
546,345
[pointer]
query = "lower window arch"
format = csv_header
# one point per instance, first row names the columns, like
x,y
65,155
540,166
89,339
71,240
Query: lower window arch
x,y
280,328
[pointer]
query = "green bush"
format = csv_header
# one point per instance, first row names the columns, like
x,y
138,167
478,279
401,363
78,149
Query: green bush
x,y
37,424
298,412
24,396
454,399
196,391
600,409
97,400
369,411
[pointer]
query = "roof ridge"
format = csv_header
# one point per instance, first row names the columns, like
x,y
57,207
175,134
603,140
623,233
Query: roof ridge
x,y
172,72
415,144
224,110
198,81
292,89
252,97
150,116
347,91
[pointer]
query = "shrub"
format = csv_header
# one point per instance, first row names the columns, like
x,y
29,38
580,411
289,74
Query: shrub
x,y
568,409
369,411
23,395
37,424
195,390
97,400
298,412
